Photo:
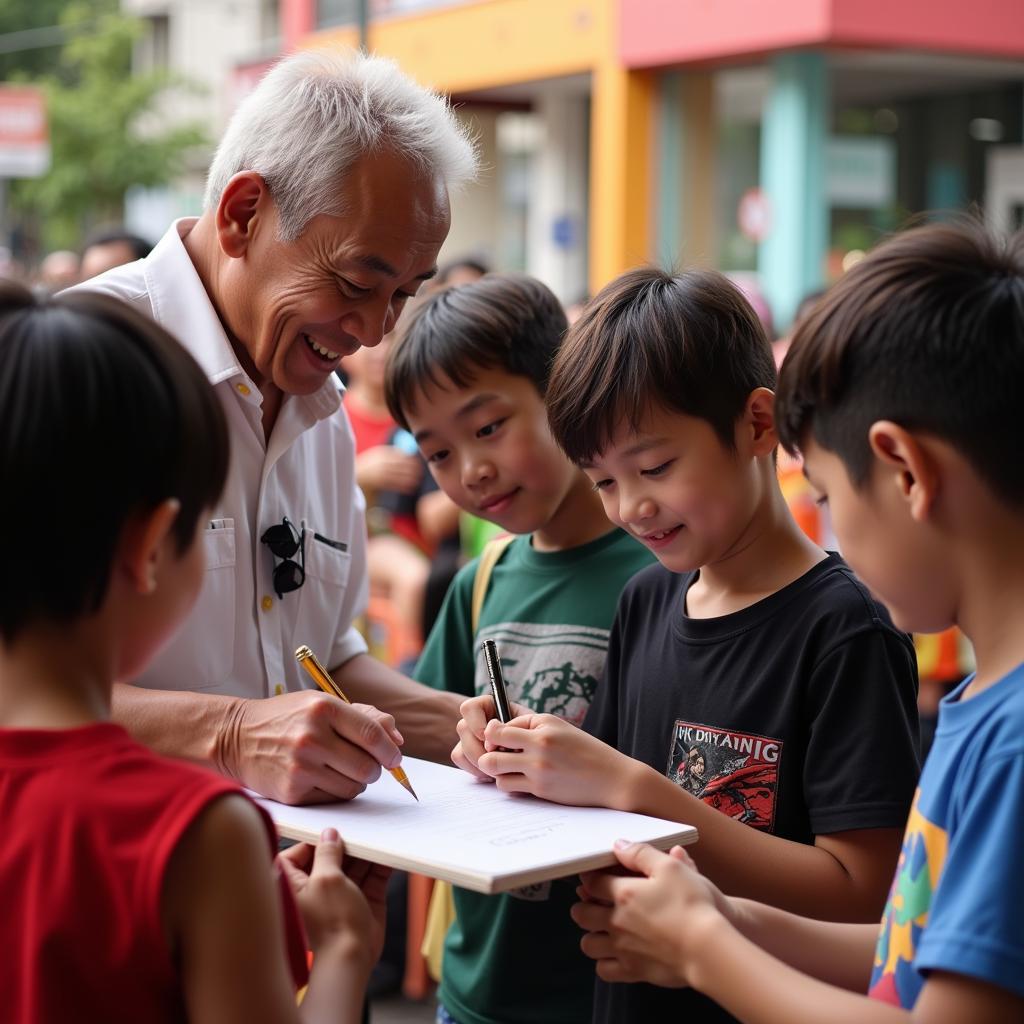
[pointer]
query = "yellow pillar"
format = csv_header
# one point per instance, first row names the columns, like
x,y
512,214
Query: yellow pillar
x,y
621,186
700,144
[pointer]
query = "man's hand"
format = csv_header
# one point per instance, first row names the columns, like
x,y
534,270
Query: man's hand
x,y
476,713
341,899
386,468
308,747
650,924
550,758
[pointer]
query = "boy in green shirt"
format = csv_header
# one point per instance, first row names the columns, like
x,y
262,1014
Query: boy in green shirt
x,y
468,381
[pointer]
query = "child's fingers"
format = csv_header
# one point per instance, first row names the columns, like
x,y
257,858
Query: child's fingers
x,y
329,853
296,877
639,857
612,969
592,917
501,762
460,760
510,736
679,854
300,855
597,945
476,713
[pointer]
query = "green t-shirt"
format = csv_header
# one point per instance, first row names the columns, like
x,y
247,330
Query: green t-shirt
x,y
515,957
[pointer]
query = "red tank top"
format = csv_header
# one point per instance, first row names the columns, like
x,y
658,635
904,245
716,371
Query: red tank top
x,y
90,819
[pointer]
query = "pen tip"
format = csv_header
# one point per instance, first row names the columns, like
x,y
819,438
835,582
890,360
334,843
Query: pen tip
x,y
408,786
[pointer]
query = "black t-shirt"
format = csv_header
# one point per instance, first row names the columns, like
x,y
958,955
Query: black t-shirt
x,y
797,715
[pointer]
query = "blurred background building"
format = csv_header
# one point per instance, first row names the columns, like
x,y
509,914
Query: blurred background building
x,y
771,140
766,139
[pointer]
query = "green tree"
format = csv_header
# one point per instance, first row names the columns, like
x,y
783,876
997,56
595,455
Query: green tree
x,y
27,40
108,131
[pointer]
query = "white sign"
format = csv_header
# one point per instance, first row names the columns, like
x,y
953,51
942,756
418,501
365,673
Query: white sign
x,y
860,171
24,132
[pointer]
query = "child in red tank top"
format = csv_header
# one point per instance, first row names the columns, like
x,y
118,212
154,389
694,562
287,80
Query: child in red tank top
x,y
134,888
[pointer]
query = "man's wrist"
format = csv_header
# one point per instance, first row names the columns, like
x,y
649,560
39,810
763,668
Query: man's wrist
x,y
228,738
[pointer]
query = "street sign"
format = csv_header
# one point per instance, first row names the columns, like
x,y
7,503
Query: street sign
x,y
24,132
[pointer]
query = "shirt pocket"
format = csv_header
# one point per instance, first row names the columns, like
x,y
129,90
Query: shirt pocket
x,y
202,653
328,563
327,560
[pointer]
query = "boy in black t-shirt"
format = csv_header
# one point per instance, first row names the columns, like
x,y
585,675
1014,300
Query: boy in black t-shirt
x,y
753,688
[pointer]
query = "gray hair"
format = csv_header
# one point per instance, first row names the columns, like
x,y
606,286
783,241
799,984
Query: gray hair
x,y
316,112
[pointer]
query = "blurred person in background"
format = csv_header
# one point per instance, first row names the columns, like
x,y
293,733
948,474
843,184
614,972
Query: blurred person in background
x,y
57,271
464,270
112,247
406,513
326,207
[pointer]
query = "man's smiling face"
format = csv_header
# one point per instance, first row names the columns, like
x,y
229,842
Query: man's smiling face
x,y
300,306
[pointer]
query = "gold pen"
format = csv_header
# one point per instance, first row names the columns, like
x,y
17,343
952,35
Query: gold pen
x,y
309,661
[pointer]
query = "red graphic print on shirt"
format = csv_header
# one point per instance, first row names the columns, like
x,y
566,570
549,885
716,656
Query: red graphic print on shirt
x,y
737,773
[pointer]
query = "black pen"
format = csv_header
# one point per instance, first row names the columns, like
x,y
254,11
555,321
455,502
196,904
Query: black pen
x,y
497,681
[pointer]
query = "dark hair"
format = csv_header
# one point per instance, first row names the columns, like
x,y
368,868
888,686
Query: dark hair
x,y
689,343
926,331
139,247
508,321
469,263
102,414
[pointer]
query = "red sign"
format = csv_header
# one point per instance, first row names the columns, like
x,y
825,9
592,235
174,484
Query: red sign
x,y
24,132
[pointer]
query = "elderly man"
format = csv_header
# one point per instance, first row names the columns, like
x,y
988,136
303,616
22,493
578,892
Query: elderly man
x,y
326,205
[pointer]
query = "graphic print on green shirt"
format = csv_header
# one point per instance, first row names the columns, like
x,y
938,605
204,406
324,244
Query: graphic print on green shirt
x,y
552,669
514,958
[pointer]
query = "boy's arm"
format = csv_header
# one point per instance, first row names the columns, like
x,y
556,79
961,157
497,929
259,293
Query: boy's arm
x,y
842,877
223,919
637,936
775,993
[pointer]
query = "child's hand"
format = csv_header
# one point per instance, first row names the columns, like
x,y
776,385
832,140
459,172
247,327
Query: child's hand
x,y
476,713
551,758
650,925
386,468
341,899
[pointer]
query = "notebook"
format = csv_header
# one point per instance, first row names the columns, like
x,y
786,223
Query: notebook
x,y
471,834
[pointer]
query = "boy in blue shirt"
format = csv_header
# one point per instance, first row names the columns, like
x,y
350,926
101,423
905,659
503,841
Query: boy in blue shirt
x,y
735,696
468,379
901,391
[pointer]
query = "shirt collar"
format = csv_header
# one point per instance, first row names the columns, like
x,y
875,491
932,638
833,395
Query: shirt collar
x,y
182,305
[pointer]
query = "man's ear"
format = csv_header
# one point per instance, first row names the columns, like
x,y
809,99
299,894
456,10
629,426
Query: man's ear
x,y
759,421
144,544
908,464
243,204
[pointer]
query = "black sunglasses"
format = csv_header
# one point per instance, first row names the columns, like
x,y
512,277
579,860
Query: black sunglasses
x,y
284,540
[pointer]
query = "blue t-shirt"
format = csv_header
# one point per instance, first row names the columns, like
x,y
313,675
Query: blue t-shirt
x,y
957,900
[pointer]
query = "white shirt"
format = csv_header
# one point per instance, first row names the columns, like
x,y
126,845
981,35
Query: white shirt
x,y
240,638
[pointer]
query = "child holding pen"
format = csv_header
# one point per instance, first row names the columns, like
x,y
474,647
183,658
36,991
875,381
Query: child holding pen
x,y
753,688
902,393
134,888
468,379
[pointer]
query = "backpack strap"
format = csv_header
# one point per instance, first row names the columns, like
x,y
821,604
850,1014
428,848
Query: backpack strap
x,y
441,910
489,558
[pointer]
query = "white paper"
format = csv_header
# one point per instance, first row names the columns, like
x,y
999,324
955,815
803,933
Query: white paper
x,y
470,833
